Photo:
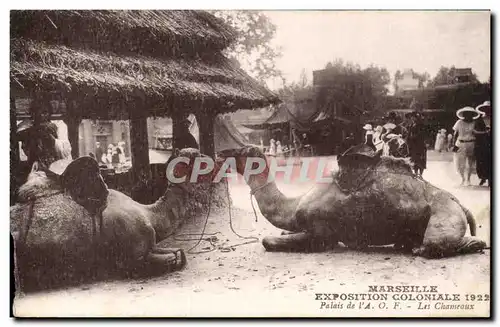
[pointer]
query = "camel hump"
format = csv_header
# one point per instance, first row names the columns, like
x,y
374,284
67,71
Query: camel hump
x,y
358,154
82,179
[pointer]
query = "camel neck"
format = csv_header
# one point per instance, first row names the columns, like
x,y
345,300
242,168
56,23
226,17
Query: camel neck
x,y
277,208
168,212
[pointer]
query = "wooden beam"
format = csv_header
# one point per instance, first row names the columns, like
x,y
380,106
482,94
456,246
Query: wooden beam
x,y
14,151
177,118
206,123
139,148
72,119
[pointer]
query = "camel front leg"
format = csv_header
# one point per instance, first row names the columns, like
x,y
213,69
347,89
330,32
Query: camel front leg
x,y
172,257
287,232
470,244
297,242
160,261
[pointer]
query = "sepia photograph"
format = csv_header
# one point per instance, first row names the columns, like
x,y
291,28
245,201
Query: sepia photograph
x,y
250,163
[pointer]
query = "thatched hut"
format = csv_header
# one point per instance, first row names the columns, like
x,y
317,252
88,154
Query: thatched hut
x,y
115,65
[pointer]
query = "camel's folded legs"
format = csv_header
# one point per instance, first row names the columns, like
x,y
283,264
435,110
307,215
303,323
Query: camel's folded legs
x,y
471,244
468,244
174,258
298,242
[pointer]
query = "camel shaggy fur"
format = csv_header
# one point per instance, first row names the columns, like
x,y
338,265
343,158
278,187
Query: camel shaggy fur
x,y
373,200
53,232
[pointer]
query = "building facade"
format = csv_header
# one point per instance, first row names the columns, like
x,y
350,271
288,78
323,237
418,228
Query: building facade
x,y
407,82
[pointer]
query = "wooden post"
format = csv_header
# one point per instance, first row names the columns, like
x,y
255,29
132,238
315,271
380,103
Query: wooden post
x,y
139,148
14,151
177,118
206,123
72,119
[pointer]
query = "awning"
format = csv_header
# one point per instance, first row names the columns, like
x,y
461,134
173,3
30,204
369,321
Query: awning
x,y
279,117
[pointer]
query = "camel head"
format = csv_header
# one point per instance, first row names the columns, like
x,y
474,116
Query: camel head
x,y
183,167
241,155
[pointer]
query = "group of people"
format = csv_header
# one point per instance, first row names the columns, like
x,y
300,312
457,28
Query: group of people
x,y
471,141
444,142
276,148
396,140
114,155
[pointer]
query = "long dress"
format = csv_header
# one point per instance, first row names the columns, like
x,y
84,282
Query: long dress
x,y
482,150
440,142
369,140
416,145
377,141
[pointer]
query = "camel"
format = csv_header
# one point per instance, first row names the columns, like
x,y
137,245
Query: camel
x,y
373,200
52,231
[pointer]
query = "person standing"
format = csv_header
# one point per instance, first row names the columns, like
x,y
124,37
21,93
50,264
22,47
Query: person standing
x,y
109,155
121,152
272,148
369,136
445,140
377,138
482,147
450,143
184,139
99,152
416,143
464,140
279,149
439,146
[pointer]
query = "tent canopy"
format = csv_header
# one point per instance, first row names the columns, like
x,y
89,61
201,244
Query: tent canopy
x,y
300,115
226,135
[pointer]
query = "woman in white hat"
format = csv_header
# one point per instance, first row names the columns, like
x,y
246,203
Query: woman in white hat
x,y
369,136
482,144
464,139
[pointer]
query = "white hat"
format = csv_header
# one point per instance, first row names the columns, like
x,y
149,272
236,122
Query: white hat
x,y
389,126
467,109
484,104
368,127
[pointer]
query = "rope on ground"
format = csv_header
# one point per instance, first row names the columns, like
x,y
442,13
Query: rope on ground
x,y
202,234
251,239
199,237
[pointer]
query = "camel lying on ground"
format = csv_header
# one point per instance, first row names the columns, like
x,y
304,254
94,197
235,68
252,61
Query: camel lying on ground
x,y
52,226
373,200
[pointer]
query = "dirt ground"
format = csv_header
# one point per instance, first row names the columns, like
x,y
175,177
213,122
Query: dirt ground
x,y
248,281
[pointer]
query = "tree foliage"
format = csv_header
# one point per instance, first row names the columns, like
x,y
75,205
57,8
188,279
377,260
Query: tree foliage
x,y
446,76
253,47
353,91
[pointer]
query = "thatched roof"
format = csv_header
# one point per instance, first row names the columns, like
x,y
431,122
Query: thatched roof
x,y
168,33
106,83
